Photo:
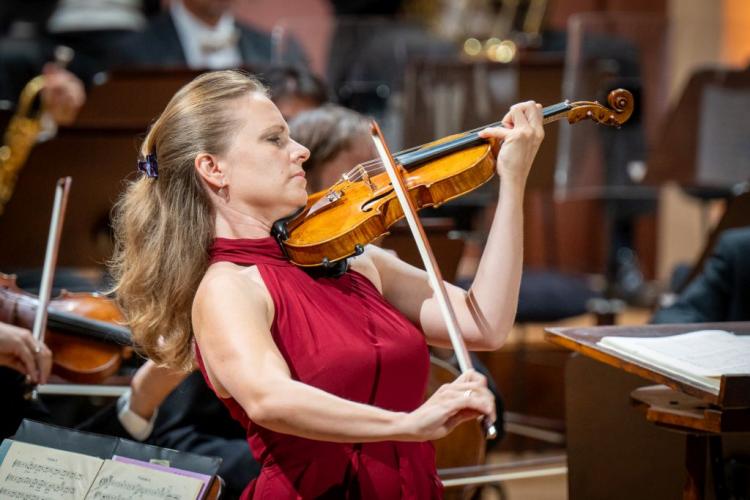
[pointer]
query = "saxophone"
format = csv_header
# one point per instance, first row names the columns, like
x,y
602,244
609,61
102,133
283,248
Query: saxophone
x,y
24,128
22,133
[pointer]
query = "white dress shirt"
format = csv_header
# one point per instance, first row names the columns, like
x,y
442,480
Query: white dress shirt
x,y
206,47
137,426
83,15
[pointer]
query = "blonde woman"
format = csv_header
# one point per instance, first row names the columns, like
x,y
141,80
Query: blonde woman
x,y
326,374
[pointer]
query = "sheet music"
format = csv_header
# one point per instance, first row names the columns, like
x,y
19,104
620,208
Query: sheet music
x,y
122,481
704,353
31,472
157,465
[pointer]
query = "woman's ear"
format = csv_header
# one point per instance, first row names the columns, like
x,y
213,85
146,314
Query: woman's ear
x,y
209,170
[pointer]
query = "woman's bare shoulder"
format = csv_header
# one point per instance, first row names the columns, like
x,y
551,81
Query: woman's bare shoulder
x,y
232,315
225,283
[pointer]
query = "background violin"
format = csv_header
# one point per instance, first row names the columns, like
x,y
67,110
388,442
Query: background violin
x,y
339,222
83,331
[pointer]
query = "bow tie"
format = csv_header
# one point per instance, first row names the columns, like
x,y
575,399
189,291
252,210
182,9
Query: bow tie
x,y
215,43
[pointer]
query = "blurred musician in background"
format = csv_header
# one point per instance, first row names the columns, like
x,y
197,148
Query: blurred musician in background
x,y
19,351
21,359
202,34
722,291
62,94
338,139
294,89
91,29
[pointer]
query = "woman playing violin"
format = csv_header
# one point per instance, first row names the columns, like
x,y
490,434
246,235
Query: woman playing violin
x,y
327,374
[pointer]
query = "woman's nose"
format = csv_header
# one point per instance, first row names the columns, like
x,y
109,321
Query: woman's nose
x,y
301,153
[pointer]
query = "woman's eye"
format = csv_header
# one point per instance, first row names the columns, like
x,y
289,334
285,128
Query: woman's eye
x,y
276,140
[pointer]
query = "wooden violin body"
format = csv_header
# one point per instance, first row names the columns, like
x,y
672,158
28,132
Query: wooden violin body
x,y
362,206
342,232
77,358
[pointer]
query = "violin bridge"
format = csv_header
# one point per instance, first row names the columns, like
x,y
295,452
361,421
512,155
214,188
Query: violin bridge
x,y
366,178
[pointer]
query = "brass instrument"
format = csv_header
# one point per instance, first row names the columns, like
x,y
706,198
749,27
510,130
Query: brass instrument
x,y
23,129
491,30
22,133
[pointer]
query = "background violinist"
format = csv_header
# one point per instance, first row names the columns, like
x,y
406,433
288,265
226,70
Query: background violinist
x,y
21,358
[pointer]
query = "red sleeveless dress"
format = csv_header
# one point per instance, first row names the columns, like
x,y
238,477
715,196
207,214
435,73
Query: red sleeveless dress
x,y
340,335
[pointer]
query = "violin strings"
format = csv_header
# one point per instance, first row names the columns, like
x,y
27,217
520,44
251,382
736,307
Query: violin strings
x,y
375,166
369,167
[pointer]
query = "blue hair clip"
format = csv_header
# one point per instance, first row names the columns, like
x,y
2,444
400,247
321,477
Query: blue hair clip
x,y
149,166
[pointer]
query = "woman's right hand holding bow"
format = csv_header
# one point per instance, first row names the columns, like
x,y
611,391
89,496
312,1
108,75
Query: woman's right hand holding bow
x,y
465,398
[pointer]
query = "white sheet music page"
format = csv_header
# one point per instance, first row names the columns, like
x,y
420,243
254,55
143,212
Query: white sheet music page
x,y
31,472
123,481
705,353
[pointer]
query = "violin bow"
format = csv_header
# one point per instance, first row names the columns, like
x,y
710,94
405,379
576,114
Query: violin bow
x,y
50,260
430,263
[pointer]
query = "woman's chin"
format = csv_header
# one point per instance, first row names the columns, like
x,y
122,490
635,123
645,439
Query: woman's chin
x,y
301,198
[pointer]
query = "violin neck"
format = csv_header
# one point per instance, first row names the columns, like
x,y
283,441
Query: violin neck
x,y
87,327
412,158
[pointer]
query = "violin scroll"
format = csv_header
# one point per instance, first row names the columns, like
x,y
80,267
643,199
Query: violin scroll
x,y
620,101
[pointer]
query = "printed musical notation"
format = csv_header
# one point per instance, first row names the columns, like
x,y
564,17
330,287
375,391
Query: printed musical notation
x,y
32,468
122,481
20,495
109,488
31,472
41,485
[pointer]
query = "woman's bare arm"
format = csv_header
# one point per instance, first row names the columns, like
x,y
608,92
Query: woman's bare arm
x,y
486,312
232,316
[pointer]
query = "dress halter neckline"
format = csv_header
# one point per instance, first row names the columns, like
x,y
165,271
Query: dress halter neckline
x,y
248,251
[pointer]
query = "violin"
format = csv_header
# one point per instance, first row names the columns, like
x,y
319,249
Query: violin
x,y
338,222
83,331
